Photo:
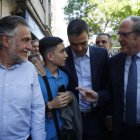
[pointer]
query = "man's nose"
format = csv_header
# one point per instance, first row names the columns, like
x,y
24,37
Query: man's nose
x,y
119,38
66,55
100,43
28,46
79,47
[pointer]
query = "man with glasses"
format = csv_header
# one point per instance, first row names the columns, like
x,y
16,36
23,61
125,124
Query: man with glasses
x,y
87,67
125,81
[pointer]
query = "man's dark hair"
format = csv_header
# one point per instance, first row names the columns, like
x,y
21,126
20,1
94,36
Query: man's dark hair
x,y
35,40
48,44
9,23
106,34
76,27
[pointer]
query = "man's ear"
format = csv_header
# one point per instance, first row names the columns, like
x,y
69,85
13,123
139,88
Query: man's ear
x,y
111,44
50,56
1,45
4,41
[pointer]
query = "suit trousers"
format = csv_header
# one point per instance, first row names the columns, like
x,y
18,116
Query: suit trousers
x,y
92,127
130,132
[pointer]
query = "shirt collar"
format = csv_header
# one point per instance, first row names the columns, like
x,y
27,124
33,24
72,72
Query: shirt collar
x,y
49,74
12,67
138,54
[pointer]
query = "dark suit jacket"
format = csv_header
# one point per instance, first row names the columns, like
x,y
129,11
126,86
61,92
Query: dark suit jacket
x,y
99,72
116,78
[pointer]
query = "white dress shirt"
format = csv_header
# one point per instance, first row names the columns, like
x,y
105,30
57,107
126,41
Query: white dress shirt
x,y
22,109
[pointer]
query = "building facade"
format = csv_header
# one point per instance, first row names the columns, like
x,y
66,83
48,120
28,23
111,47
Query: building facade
x,y
37,14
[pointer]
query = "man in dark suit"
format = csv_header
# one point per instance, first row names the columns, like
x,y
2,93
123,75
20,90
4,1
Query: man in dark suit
x,y
125,90
87,67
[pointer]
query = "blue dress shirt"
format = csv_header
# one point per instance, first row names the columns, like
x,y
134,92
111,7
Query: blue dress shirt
x,y
83,70
22,109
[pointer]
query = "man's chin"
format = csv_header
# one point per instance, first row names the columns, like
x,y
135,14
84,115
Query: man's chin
x,y
24,58
19,61
126,52
123,50
61,65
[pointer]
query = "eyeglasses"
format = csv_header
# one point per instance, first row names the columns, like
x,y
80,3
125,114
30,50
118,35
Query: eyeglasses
x,y
125,34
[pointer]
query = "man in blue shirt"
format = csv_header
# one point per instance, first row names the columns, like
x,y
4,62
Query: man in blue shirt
x,y
22,109
53,52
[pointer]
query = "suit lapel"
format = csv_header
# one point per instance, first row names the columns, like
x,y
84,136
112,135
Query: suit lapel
x,y
93,65
118,74
71,66
121,67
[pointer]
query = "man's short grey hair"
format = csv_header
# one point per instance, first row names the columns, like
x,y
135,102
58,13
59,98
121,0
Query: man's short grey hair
x,y
9,23
136,26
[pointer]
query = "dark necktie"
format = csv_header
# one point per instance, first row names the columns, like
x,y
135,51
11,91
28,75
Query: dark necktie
x,y
131,94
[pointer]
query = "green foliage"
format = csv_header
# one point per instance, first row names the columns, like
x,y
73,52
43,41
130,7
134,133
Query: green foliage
x,y
101,14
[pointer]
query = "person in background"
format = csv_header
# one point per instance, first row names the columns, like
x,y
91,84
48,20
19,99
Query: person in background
x,y
35,49
22,109
36,58
54,55
104,40
87,67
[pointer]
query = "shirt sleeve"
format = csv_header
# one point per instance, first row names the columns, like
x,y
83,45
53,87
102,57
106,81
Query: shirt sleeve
x,y
37,112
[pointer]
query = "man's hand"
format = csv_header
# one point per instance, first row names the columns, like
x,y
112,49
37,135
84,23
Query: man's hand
x,y
88,94
38,65
62,100
109,123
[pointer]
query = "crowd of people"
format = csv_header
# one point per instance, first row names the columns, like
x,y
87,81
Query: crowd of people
x,y
49,91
